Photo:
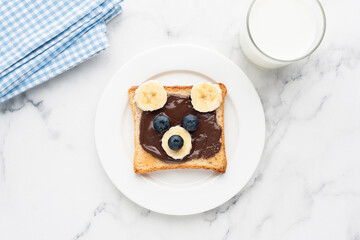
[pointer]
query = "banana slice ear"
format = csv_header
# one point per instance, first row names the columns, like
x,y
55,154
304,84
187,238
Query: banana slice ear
x,y
150,96
206,97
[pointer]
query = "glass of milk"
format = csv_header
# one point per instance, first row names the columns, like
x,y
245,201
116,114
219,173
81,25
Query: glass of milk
x,y
280,32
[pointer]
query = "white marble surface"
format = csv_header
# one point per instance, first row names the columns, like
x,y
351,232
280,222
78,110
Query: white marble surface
x,y
307,186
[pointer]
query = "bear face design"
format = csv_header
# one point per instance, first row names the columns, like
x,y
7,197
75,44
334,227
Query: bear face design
x,y
204,140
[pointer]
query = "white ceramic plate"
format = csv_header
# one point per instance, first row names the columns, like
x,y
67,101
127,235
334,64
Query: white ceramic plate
x,y
180,192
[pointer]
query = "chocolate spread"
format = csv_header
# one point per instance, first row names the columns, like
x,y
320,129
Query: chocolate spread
x,y
205,140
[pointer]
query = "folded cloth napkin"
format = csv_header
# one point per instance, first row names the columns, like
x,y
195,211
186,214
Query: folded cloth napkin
x,y
40,39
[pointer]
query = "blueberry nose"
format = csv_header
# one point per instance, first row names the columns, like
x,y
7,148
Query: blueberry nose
x,y
175,142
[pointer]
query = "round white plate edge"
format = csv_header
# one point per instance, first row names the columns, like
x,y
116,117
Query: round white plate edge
x,y
260,118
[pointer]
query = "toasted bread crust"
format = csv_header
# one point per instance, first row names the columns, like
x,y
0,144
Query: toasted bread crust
x,y
144,162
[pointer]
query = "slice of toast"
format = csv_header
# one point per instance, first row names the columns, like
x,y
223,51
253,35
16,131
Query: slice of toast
x,y
144,162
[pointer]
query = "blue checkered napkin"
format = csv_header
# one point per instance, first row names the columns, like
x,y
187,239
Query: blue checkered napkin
x,y
40,39
91,43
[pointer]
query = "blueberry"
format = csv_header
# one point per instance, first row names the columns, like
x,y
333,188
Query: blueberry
x,y
161,123
175,142
190,123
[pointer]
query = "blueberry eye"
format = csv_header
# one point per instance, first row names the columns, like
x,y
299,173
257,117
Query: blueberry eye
x,y
161,123
190,123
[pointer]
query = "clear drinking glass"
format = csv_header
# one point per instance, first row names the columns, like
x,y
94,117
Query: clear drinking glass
x,y
280,32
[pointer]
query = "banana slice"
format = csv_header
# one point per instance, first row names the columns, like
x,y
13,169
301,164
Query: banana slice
x,y
182,152
206,97
150,96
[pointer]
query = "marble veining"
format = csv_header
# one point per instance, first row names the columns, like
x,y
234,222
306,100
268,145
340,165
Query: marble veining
x,y
99,209
52,185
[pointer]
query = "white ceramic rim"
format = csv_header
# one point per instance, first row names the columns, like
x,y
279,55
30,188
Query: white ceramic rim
x,y
248,149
